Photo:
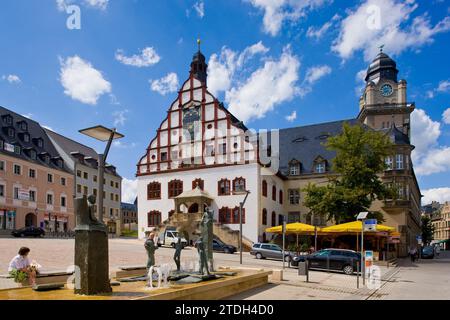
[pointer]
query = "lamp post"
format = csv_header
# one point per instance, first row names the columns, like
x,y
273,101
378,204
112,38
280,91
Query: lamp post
x,y
105,135
362,216
91,239
241,206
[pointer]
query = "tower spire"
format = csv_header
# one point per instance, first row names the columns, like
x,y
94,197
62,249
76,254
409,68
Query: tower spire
x,y
198,65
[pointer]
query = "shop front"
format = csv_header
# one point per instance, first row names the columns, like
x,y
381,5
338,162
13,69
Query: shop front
x,y
55,222
7,219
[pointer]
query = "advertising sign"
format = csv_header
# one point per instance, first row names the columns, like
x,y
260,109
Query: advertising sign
x,y
368,255
24,194
370,225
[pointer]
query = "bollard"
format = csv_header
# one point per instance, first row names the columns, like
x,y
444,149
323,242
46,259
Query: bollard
x,y
357,274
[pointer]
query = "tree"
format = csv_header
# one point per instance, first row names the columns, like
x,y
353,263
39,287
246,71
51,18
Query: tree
x,y
360,158
427,230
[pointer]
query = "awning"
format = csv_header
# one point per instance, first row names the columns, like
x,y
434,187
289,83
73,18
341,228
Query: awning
x,y
294,228
354,227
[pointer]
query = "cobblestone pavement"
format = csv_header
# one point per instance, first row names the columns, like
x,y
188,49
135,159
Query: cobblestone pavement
x,y
422,280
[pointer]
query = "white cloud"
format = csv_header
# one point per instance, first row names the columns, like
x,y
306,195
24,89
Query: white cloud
x,y
314,74
276,12
270,85
292,117
119,117
387,22
96,4
12,78
199,7
121,145
436,194
429,157
319,32
446,116
361,81
129,190
81,81
223,68
443,87
166,84
146,58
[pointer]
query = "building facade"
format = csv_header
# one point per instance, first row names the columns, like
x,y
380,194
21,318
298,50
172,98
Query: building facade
x,y
129,215
36,186
441,224
83,163
202,156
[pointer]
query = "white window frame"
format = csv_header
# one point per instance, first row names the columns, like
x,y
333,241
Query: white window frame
x,y
320,167
389,163
20,169
399,161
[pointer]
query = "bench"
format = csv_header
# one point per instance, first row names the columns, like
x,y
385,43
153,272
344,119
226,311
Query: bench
x,y
46,277
130,271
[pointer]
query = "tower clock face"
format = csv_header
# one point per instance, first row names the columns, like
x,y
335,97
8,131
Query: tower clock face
x,y
386,90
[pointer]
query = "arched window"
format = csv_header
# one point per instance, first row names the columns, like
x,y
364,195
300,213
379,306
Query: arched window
x,y
223,187
274,219
239,185
264,188
274,193
175,188
154,191
153,218
198,182
264,217
281,196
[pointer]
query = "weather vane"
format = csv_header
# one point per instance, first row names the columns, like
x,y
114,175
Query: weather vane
x,y
199,42
381,47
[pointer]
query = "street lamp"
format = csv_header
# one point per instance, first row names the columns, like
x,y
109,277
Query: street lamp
x,y
103,134
362,216
241,206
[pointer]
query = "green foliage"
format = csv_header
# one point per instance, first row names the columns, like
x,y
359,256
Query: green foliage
x,y
427,230
19,276
360,155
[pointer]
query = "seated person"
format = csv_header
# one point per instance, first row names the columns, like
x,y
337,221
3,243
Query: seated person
x,y
20,267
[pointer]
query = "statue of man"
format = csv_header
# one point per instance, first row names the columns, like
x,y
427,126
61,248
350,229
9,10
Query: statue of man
x,y
207,235
150,247
177,255
202,256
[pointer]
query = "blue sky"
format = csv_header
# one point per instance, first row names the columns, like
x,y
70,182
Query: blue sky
x,y
276,64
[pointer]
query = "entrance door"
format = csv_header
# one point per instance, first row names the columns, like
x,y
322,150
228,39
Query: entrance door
x,y
30,220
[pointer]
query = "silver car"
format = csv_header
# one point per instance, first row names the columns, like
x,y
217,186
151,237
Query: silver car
x,y
270,251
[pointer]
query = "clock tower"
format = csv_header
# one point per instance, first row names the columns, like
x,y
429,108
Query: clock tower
x,y
383,103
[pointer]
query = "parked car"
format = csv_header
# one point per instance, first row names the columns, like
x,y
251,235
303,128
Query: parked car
x,y
334,259
29,232
270,251
220,246
169,238
428,252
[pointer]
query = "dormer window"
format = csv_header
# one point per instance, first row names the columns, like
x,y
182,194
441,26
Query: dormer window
x,y
26,137
33,154
39,142
8,120
11,132
24,126
17,149
320,165
294,168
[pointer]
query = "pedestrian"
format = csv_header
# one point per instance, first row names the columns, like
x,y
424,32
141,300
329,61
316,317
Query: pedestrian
x,y
437,250
21,269
150,247
413,254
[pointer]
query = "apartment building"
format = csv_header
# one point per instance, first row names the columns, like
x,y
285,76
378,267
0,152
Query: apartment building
x,y
36,186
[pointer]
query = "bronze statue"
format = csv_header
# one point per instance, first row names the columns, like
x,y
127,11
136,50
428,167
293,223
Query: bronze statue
x,y
177,255
207,235
202,257
150,247
85,212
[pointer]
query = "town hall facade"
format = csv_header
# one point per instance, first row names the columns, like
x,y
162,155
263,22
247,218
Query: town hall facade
x,y
204,157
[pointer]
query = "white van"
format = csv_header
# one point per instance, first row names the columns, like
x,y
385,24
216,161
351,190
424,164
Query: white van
x,y
169,238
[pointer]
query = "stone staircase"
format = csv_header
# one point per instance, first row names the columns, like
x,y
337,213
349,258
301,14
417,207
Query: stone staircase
x,y
191,222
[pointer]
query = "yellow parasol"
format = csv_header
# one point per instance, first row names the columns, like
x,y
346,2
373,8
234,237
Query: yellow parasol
x,y
295,228
354,227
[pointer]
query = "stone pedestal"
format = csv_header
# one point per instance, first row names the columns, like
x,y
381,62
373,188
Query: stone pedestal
x,y
91,261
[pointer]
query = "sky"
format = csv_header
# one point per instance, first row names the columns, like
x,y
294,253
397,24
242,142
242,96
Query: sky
x,y
71,64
